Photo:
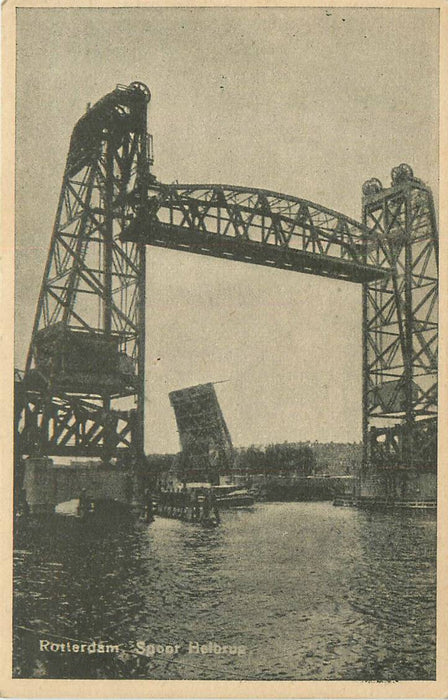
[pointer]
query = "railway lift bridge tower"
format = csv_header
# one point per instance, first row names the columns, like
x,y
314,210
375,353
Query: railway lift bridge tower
x,y
82,392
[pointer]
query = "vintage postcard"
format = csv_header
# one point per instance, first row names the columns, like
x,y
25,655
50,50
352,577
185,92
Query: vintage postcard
x,y
221,263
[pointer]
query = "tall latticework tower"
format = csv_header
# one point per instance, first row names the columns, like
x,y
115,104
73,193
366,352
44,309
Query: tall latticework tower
x,y
400,326
83,389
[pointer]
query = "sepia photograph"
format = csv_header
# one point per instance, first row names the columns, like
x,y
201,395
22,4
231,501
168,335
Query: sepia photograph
x,y
225,344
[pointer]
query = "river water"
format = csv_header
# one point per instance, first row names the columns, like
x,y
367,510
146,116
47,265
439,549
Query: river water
x,y
300,591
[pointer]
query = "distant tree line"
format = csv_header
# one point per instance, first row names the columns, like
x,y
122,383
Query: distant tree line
x,y
276,458
302,458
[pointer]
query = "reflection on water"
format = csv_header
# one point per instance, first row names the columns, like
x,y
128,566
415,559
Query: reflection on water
x,y
311,592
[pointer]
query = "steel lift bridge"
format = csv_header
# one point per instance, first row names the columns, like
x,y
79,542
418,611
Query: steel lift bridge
x,y
82,392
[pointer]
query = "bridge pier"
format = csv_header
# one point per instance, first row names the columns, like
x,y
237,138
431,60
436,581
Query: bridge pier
x,y
46,484
399,487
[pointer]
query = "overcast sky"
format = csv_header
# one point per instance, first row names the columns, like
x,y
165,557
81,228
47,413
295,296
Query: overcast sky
x,y
310,102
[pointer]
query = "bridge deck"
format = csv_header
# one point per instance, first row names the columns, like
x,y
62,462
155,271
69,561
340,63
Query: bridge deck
x,y
178,238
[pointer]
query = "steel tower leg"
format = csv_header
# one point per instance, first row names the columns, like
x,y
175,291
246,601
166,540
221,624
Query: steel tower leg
x,y
400,334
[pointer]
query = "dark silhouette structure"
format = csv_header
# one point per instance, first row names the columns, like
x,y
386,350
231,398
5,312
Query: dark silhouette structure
x,y
82,390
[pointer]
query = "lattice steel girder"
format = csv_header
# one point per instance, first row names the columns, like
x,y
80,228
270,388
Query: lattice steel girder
x,y
389,446
69,425
400,312
256,226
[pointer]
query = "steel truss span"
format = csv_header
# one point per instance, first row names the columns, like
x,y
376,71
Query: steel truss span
x,y
255,226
